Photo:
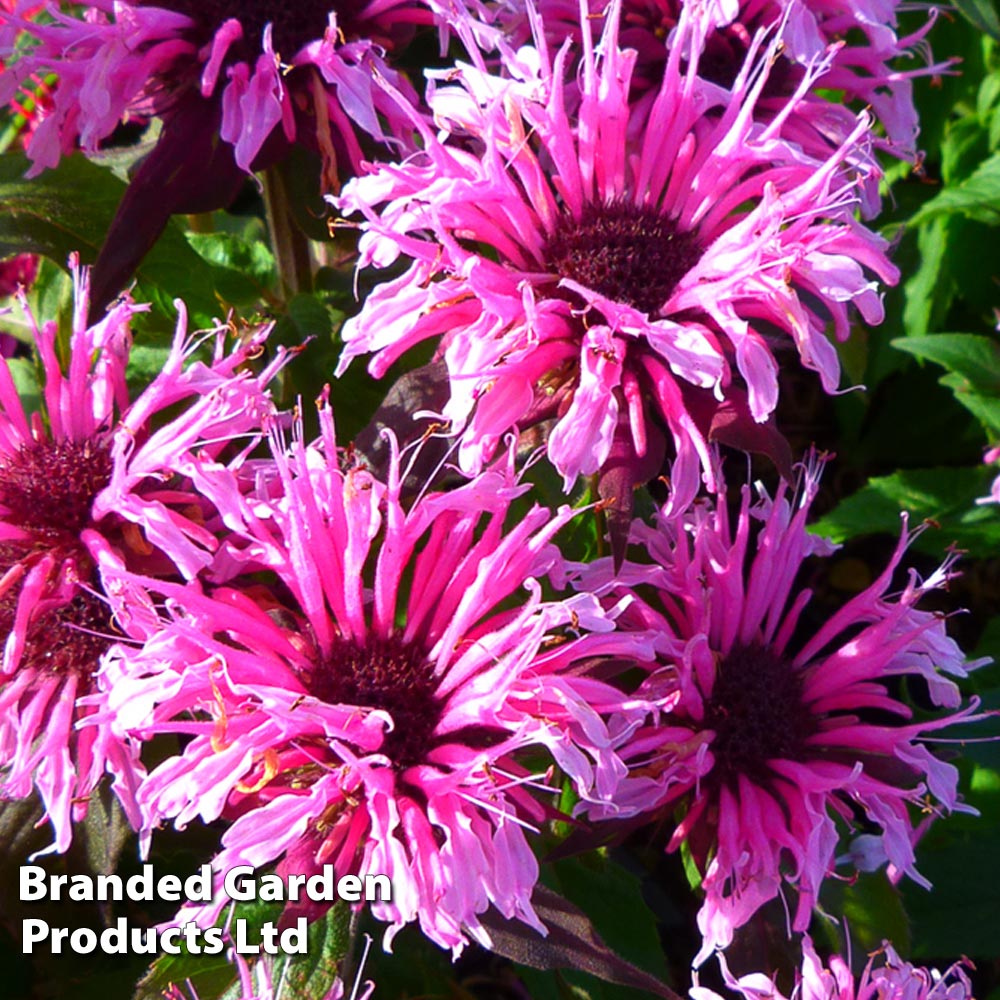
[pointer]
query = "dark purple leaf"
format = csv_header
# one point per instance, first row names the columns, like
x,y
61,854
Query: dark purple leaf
x,y
572,943
190,169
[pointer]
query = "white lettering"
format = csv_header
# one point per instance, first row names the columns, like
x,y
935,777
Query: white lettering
x,y
32,931
241,891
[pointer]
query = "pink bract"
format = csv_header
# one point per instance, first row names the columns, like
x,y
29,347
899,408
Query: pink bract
x,y
369,709
628,288
84,486
782,734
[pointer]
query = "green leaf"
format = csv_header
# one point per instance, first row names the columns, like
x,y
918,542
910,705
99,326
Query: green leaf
x,y
983,14
245,271
26,382
312,975
957,855
975,357
69,209
928,292
945,496
612,897
977,197
210,975
986,408
307,977
974,365
872,908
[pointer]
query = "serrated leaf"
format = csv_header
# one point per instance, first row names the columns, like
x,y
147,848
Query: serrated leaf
x,y
311,976
244,271
977,197
945,496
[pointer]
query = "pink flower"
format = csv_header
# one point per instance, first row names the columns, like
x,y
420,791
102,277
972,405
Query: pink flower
x,y
992,455
17,272
629,284
866,60
236,84
126,58
892,979
84,485
784,731
367,709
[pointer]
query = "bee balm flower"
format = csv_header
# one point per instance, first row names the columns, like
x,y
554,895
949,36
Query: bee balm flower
x,y
367,701
629,286
782,735
85,483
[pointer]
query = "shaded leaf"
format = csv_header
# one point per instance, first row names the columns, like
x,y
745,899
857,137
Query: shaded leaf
x,y
612,896
424,388
872,908
945,496
976,358
983,14
977,197
571,943
48,216
959,857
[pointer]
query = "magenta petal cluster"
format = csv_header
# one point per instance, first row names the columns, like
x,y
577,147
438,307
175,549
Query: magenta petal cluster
x,y
885,977
368,711
83,488
865,58
588,263
782,735
260,63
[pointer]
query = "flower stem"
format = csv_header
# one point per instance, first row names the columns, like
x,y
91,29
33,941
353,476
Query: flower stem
x,y
289,244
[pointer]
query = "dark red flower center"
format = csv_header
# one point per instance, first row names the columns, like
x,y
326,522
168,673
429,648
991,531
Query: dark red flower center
x,y
48,487
757,713
294,23
390,675
70,638
626,252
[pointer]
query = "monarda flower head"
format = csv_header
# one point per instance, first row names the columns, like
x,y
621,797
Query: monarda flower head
x,y
783,736
629,289
865,59
368,707
885,977
81,481
235,83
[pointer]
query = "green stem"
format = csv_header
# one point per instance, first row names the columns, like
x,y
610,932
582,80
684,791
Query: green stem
x,y
289,244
